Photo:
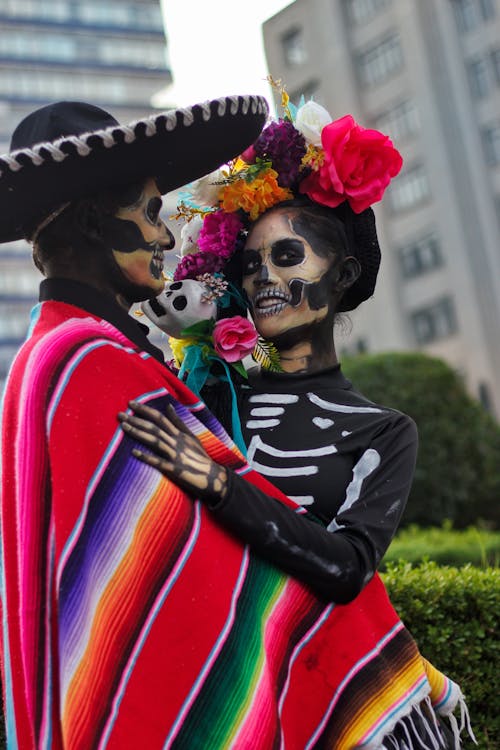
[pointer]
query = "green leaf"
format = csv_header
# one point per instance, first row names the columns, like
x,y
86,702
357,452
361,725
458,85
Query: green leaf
x,y
266,355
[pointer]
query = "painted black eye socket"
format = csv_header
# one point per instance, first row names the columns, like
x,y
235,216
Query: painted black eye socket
x,y
179,303
153,209
287,252
251,262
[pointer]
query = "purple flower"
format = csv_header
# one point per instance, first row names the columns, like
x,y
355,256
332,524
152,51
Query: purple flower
x,y
219,233
284,146
191,266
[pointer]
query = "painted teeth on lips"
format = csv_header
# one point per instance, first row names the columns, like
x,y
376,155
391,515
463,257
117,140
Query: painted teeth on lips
x,y
157,263
270,302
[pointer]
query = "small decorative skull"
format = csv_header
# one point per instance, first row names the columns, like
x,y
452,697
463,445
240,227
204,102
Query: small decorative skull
x,y
180,305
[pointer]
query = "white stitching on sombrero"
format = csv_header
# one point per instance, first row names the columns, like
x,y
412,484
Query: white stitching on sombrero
x,y
150,127
36,157
205,111
235,104
80,144
12,163
128,133
108,136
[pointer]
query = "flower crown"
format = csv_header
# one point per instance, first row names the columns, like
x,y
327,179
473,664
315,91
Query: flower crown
x,y
305,152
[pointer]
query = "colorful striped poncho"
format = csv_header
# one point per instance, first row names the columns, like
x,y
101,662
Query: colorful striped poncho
x,y
130,619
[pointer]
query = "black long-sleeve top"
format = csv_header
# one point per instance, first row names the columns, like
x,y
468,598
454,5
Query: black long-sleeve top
x,y
347,461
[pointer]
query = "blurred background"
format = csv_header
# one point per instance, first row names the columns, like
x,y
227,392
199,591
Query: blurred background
x,y
426,72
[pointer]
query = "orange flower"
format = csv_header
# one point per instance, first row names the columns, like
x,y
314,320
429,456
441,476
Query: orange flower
x,y
256,196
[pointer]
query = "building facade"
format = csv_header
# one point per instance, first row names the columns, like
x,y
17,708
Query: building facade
x,y
112,54
427,73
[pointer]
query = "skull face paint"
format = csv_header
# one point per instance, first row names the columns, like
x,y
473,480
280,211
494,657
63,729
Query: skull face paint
x,y
289,285
138,238
180,305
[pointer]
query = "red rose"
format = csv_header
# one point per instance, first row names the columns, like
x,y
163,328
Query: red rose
x,y
358,165
234,338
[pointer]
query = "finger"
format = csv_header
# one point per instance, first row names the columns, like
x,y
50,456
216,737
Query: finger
x,y
151,415
177,421
151,440
147,426
153,460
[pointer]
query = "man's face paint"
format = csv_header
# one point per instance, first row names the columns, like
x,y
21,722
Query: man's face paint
x,y
138,238
289,286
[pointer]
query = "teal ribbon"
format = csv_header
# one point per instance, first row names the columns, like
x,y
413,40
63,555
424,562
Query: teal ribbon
x,y
195,370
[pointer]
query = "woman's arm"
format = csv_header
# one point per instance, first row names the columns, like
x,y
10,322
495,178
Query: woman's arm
x,y
335,563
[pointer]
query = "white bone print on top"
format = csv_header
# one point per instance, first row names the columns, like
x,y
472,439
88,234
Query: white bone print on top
x,y
367,464
268,411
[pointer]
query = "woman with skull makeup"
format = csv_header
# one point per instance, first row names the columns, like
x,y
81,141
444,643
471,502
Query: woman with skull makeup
x,y
346,462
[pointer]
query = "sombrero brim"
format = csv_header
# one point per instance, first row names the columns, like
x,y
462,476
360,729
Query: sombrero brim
x,y
176,147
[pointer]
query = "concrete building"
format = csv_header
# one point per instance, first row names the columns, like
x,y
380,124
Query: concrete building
x,y
426,72
112,54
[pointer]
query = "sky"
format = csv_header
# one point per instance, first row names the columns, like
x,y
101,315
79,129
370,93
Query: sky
x,y
215,49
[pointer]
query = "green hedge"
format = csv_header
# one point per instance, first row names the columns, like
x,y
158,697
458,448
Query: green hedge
x,y
457,473
445,545
453,615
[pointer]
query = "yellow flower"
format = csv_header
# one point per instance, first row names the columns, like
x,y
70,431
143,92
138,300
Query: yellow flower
x,y
314,157
177,346
256,196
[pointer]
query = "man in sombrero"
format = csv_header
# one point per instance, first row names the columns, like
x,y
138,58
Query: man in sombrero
x,y
130,618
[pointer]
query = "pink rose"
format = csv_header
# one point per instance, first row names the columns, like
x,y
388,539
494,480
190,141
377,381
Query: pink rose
x,y
234,338
358,165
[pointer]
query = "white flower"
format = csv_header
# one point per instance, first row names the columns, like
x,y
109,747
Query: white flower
x,y
205,191
189,235
310,120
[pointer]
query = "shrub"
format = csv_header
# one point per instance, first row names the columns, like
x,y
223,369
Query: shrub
x,y
445,546
453,616
457,473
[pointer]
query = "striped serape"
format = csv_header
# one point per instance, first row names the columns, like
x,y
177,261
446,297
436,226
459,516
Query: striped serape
x,y
130,619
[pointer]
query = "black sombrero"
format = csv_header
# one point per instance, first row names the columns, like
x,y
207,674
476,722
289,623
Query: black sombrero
x,y
68,150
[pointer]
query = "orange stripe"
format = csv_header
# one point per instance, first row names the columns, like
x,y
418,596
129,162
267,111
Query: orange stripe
x,y
380,702
151,545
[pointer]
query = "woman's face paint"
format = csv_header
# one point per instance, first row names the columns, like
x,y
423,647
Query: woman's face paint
x,y
289,286
138,238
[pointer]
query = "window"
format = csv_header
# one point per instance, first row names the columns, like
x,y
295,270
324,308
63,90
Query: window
x,y
420,257
14,319
409,189
488,10
400,121
361,11
57,48
379,63
495,59
7,354
479,77
359,346
485,399
466,14
308,91
491,143
293,48
434,322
